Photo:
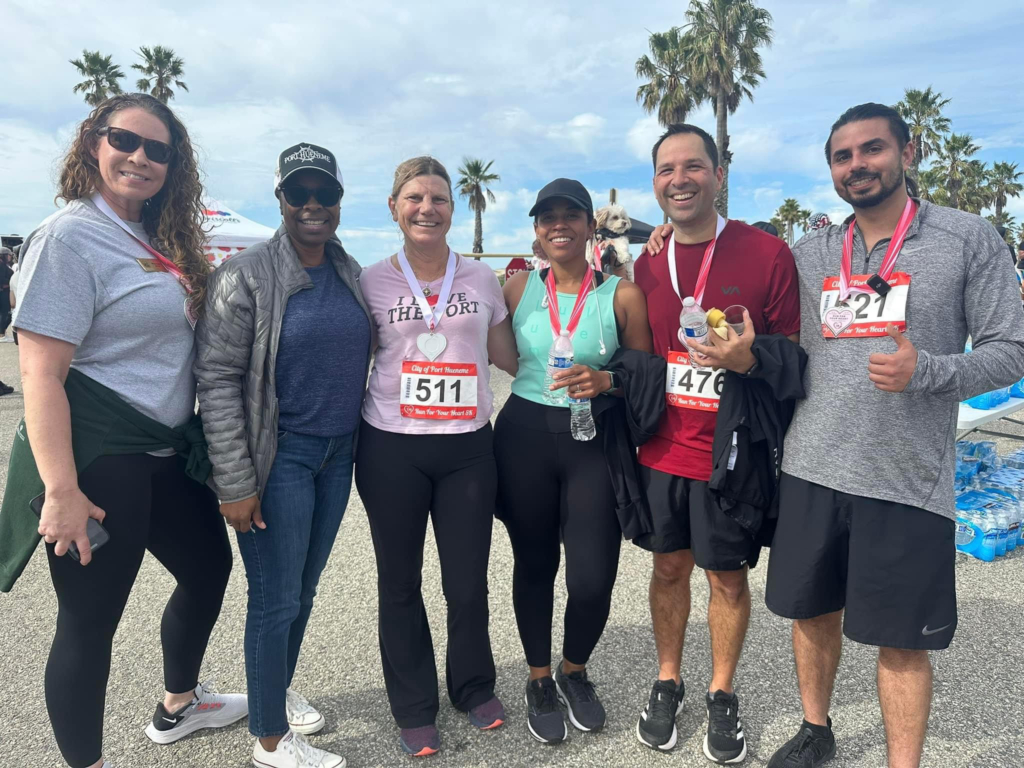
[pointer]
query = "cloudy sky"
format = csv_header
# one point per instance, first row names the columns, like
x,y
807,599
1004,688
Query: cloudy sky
x,y
543,89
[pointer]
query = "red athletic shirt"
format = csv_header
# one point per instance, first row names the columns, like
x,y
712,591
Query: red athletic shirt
x,y
751,268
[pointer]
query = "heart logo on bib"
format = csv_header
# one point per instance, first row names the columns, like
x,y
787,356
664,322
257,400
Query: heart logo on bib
x,y
431,345
838,320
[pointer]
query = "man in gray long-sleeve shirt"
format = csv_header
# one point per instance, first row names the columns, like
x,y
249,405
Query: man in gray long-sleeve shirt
x,y
866,497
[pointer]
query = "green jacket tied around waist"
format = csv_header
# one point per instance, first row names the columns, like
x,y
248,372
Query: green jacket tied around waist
x,y
102,424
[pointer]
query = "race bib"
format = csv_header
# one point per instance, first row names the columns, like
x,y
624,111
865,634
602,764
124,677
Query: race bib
x,y
438,390
699,389
864,314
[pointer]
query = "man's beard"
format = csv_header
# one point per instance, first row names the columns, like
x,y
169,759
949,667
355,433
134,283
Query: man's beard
x,y
890,182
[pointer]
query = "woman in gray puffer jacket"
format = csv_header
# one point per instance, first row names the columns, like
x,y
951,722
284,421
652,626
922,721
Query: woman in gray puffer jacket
x,y
282,358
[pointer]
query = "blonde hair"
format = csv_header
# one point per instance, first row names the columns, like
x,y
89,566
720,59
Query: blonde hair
x,y
173,217
421,166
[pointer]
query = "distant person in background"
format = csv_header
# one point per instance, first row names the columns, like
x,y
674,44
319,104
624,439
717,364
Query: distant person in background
x,y
764,226
540,259
1002,233
6,257
818,221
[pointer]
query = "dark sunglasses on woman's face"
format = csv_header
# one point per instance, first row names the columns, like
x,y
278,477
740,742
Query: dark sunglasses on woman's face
x,y
126,141
297,196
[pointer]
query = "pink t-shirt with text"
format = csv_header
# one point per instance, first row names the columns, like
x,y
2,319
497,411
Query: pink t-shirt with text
x,y
475,306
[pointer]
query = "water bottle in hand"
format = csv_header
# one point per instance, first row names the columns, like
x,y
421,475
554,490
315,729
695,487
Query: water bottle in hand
x,y
560,358
693,326
581,420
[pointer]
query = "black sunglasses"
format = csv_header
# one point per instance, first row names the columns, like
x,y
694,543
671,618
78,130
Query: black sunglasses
x,y
297,196
126,141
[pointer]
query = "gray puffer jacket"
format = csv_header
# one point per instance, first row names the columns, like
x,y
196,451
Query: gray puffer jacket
x,y
236,352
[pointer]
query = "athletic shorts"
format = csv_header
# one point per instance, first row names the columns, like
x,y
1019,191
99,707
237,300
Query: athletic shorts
x,y
685,516
891,566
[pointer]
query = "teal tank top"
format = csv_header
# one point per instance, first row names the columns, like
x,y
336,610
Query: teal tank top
x,y
532,327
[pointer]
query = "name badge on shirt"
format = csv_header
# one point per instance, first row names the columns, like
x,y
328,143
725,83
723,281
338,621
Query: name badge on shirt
x,y
440,391
151,265
698,389
864,315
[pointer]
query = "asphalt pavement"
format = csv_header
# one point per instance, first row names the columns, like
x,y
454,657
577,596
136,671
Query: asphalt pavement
x,y
976,719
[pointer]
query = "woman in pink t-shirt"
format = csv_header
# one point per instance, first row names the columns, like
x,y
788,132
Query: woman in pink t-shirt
x,y
425,449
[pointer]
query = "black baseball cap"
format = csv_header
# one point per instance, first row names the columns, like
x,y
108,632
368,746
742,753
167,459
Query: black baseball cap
x,y
306,156
566,189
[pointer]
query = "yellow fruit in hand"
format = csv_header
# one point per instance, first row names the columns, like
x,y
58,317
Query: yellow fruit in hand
x,y
722,330
716,318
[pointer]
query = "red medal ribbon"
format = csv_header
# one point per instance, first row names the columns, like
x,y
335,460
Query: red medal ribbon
x,y
891,254
577,309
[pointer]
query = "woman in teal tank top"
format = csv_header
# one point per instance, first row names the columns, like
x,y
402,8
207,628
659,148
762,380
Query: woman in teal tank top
x,y
541,467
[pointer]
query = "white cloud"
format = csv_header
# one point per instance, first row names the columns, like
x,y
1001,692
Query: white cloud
x,y
642,135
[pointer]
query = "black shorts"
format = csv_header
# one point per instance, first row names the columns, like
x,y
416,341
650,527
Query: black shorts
x,y
891,566
685,516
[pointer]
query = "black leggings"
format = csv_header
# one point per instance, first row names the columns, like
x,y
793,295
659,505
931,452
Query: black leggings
x,y
150,504
452,478
553,487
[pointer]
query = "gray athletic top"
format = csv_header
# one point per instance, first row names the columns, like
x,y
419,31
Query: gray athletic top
x,y
851,437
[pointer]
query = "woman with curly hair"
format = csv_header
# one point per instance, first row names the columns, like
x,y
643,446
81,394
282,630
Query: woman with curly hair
x,y
107,302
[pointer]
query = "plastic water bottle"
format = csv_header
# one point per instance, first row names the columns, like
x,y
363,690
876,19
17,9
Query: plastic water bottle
x,y
1002,518
990,535
581,420
560,358
1013,536
693,326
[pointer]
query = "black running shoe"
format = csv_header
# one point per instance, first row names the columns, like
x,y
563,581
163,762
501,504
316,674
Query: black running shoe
x,y
812,746
586,712
544,718
724,743
656,727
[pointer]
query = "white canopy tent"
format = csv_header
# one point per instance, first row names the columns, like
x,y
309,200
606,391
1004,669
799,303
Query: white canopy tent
x,y
230,232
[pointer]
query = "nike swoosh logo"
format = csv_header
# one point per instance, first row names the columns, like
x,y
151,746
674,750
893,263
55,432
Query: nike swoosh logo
x,y
927,631
169,720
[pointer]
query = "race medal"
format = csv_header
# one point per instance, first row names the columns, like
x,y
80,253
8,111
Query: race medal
x,y
698,389
864,314
438,391
431,345
151,265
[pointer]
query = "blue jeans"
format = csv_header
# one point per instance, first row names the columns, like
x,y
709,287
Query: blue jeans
x,y
302,506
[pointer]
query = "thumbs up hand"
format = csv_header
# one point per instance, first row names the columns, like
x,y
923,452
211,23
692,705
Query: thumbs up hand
x,y
891,373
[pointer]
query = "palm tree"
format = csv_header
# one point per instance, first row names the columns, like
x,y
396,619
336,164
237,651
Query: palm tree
x,y
161,68
474,177
101,76
923,112
975,193
668,90
789,214
1004,182
954,164
931,186
722,41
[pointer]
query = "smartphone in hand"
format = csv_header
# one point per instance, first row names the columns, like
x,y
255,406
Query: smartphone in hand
x,y
98,535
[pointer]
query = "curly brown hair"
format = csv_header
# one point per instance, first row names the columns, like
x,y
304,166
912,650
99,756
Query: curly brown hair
x,y
173,217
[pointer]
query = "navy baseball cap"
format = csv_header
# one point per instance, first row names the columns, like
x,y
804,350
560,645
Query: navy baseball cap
x,y
566,189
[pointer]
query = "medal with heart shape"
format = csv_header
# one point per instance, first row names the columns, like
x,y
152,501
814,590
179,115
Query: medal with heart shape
x,y
431,345
838,319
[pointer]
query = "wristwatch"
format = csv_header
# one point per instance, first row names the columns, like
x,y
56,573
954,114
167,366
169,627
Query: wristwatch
x,y
611,377
753,369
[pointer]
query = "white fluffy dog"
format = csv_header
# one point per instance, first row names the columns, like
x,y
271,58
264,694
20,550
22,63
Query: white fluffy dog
x,y
612,243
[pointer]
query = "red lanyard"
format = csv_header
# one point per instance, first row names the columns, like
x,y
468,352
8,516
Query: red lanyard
x,y
891,254
705,265
577,308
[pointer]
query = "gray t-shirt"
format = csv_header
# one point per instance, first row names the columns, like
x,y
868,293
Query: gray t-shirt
x,y
852,437
81,282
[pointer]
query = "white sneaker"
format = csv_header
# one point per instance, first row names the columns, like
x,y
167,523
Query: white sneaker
x,y
293,751
302,717
208,709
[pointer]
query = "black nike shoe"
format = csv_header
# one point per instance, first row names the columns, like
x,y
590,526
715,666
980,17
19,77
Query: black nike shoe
x,y
656,727
724,742
586,712
544,718
812,746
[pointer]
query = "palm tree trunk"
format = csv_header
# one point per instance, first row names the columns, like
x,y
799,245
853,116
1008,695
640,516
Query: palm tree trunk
x,y
789,232
999,208
478,233
722,140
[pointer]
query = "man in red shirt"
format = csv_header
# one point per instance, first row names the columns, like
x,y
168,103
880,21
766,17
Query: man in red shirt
x,y
740,265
